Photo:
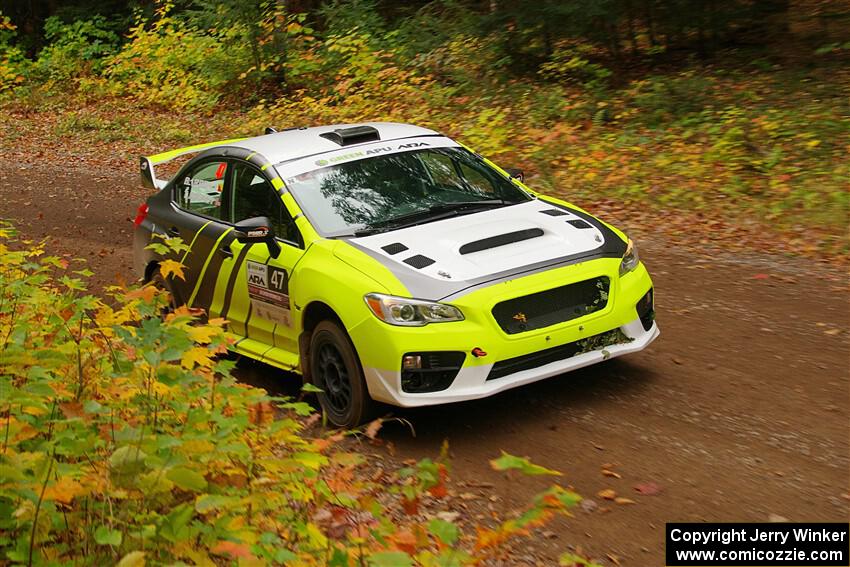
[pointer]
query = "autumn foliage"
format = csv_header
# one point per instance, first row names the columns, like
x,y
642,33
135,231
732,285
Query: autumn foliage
x,y
125,439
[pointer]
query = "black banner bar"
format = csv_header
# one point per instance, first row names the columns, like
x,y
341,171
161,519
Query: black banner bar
x,y
758,545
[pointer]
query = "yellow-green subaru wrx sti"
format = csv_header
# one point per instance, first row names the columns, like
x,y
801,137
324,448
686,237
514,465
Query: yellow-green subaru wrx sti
x,y
387,262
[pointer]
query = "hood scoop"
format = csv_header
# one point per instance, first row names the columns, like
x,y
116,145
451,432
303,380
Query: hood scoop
x,y
394,248
501,240
419,261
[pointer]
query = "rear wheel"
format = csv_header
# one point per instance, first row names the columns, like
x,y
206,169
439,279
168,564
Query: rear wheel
x,y
160,283
335,369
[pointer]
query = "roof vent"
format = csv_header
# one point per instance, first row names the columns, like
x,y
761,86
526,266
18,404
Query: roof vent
x,y
353,135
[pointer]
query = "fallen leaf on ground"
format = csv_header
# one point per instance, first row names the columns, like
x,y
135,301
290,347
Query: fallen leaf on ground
x,y
606,472
607,494
621,500
373,428
647,488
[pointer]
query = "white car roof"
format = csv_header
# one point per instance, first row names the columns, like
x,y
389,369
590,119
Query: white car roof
x,y
301,142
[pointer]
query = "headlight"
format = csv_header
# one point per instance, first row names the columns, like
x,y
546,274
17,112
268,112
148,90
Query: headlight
x,y
630,259
410,312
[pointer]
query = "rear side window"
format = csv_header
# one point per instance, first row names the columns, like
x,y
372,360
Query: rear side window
x,y
201,188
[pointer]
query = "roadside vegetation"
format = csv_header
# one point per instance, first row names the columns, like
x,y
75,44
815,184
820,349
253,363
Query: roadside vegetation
x,y
125,439
720,119
123,436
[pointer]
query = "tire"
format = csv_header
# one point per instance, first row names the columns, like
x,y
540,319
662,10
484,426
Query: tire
x,y
335,369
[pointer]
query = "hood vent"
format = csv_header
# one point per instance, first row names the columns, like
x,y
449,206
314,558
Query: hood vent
x,y
394,248
501,240
554,212
578,223
419,261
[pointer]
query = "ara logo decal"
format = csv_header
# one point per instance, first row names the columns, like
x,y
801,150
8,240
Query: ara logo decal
x,y
412,145
257,274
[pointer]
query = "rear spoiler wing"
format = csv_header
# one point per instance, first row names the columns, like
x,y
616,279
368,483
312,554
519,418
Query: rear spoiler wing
x,y
148,163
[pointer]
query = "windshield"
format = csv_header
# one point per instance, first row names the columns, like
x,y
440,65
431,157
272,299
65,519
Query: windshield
x,y
374,192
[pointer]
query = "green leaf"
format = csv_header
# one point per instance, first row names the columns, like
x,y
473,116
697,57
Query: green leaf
x,y
127,460
103,535
187,479
133,559
310,460
390,559
509,462
210,502
571,559
308,387
446,531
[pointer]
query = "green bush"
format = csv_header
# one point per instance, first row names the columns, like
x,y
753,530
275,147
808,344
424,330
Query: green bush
x,y
77,48
168,62
571,64
124,438
664,99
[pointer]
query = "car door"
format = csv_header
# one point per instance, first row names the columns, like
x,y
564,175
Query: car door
x,y
257,304
197,217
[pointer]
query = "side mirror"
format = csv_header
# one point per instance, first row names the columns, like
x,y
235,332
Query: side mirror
x,y
516,173
258,229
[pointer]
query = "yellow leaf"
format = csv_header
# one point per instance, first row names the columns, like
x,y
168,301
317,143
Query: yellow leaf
x,y
171,267
133,559
607,494
203,334
196,355
64,490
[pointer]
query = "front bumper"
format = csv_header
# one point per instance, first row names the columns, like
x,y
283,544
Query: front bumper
x,y
381,346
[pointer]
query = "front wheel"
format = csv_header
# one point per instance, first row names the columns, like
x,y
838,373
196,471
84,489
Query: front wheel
x,y
335,369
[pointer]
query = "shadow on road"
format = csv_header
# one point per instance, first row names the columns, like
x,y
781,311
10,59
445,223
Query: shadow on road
x,y
541,401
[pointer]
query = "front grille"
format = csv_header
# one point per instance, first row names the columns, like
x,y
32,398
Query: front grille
x,y
552,306
543,357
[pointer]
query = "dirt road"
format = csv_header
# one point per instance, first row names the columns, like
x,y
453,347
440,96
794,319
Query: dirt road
x,y
739,412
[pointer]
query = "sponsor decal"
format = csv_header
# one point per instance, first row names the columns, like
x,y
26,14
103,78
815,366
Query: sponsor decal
x,y
268,290
309,164
261,232
370,152
521,318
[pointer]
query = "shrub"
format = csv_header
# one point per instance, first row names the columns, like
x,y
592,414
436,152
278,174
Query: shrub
x,y
124,438
75,49
571,64
14,66
168,62
662,99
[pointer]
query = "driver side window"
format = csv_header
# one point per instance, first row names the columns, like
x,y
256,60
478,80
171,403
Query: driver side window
x,y
253,196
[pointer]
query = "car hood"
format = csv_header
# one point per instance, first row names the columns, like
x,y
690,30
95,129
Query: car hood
x,y
440,259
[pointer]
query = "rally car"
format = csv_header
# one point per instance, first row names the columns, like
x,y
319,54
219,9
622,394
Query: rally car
x,y
386,262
